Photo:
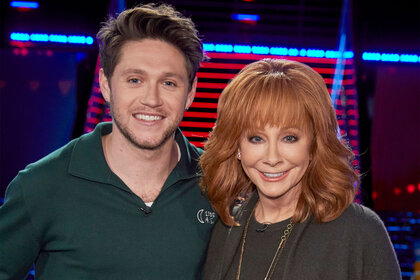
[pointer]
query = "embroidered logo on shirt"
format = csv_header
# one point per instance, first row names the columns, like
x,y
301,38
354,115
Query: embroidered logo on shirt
x,y
206,217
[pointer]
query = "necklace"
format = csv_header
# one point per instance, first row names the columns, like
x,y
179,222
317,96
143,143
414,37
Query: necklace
x,y
274,261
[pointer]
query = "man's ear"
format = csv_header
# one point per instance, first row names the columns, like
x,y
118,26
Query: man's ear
x,y
191,94
104,85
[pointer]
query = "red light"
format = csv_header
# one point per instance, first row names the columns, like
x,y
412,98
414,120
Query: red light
x,y
354,143
197,124
22,9
374,195
352,122
411,188
21,44
351,102
339,112
250,22
352,112
203,105
353,132
418,187
397,191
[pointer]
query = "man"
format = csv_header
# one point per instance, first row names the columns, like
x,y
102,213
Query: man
x,y
122,202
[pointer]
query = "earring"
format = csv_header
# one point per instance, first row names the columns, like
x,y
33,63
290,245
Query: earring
x,y
238,155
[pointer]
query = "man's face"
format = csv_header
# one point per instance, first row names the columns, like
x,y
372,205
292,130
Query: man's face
x,y
148,92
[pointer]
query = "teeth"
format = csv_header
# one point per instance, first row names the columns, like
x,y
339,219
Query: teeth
x,y
147,117
273,175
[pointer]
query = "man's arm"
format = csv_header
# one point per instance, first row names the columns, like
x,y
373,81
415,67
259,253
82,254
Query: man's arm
x,y
18,245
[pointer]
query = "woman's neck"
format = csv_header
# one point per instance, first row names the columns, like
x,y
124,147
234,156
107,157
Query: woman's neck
x,y
270,212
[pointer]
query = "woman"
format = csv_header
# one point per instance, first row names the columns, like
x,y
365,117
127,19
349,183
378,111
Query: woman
x,y
281,182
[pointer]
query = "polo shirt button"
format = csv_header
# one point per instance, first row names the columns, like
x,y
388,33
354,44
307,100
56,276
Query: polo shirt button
x,y
146,211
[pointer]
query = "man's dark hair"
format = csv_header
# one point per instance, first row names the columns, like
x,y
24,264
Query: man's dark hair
x,y
150,21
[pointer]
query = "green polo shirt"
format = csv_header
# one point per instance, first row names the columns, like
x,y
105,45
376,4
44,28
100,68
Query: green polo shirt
x,y
75,219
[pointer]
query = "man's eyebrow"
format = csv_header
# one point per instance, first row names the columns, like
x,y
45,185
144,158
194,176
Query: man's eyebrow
x,y
133,71
139,71
171,74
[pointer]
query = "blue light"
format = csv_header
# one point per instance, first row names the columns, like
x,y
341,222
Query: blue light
x,y
22,4
293,52
245,17
391,57
228,48
223,48
241,49
19,36
398,228
315,53
80,56
260,50
348,54
89,40
331,54
371,56
278,51
54,38
74,39
401,246
35,37
409,58
57,38
208,47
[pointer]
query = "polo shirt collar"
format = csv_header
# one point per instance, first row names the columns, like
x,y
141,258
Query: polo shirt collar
x,y
88,159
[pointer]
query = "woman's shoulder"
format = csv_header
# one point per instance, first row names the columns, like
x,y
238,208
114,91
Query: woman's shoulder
x,y
362,218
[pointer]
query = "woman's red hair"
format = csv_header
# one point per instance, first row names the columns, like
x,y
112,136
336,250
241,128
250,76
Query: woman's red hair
x,y
279,93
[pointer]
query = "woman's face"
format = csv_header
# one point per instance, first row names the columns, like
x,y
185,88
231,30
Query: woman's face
x,y
275,159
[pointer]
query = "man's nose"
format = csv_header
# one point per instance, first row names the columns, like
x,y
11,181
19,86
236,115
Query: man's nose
x,y
152,97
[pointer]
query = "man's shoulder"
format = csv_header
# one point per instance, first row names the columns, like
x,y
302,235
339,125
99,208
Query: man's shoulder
x,y
39,178
52,162
54,167
59,159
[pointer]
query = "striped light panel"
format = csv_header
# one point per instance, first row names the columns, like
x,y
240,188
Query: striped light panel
x,y
213,77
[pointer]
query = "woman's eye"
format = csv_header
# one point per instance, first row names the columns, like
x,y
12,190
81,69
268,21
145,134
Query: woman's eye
x,y
290,138
255,139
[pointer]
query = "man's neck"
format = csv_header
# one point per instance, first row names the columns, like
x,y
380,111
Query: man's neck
x,y
143,171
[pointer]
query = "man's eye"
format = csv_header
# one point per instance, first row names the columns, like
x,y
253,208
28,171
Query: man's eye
x,y
290,138
169,83
134,81
255,139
